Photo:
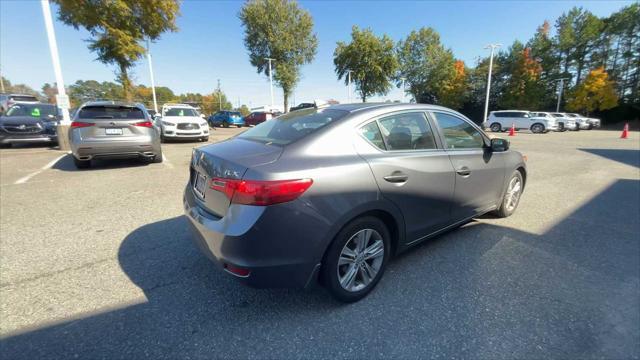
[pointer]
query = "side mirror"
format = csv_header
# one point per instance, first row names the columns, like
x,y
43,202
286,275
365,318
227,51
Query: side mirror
x,y
499,145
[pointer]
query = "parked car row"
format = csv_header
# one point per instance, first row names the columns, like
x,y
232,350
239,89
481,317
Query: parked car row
x,y
538,122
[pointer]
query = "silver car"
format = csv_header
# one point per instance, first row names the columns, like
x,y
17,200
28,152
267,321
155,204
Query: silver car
x,y
331,194
109,129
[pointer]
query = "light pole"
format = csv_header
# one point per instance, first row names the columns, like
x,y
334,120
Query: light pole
x,y
61,99
153,84
219,97
560,92
486,101
271,81
404,93
349,85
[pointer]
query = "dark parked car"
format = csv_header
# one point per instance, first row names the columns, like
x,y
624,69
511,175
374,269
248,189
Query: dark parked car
x,y
29,123
332,193
257,117
302,106
8,100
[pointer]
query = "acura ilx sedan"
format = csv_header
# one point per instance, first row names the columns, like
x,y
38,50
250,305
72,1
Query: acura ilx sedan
x,y
330,194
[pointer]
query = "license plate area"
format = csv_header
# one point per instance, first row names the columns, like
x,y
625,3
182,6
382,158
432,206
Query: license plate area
x,y
199,184
113,131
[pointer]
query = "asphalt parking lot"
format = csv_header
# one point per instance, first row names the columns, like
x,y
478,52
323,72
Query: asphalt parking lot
x,y
99,264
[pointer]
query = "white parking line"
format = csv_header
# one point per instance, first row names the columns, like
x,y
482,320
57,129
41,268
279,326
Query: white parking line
x,y
166,162
48,166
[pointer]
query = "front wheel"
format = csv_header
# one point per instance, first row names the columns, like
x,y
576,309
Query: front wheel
x,y
511,197
496,127
355,261
225,124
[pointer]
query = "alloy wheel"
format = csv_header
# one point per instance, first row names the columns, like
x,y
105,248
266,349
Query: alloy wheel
x,y
513,193
360,260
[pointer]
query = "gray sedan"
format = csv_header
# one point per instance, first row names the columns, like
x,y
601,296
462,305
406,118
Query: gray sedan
x,y
331,194
109,129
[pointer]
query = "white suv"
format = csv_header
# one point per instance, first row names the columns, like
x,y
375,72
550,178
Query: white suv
x,y
560,125
522,120
583,122
568,123
181,121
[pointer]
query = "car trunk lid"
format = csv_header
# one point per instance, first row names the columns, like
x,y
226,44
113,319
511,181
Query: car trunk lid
x,y
225,160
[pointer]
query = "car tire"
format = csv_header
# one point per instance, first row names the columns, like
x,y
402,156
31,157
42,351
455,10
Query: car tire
x,y
369,231
537,128
81,164
509,204
204,138
239,126
496,127
6,146
225,124
157,158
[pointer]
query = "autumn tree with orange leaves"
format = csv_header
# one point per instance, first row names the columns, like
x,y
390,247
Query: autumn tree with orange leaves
x,y
523,90
596,92
453,93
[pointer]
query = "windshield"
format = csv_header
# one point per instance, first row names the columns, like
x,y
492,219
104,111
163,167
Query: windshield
x,y
235,114
293,126
557,115
23,98
181,112
34,110
111,112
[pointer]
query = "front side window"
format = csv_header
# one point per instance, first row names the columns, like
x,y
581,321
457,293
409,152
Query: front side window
x,y
407,131
372,133
458,134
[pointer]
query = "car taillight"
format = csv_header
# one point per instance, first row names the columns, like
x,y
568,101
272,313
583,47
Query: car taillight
x,y
80,124
260,192
144,124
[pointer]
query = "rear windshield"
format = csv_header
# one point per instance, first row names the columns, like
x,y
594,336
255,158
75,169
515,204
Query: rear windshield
x,y
290,127
23,98
181,112
34,110
236,114
110,112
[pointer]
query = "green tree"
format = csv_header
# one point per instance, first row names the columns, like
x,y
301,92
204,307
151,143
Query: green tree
x,y
90,90
370,59
244,110
578,32
596,92
281,30
523,89
119,27
427,66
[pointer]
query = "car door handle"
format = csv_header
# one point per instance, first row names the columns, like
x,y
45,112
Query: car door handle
x,y
464,171
397,177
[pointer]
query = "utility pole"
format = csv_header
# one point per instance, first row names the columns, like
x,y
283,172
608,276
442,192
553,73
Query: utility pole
x,y
403,89
153,84
561,87
271,81
486,102
219,97
349,85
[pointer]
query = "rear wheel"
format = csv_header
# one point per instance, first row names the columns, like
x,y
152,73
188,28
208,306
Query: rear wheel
x,y
537,128
511,197
225,124
157,158
239,126
495,127
355,261
81,164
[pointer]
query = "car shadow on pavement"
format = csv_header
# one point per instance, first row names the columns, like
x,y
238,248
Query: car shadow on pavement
x,y
66,164
625,156
481,291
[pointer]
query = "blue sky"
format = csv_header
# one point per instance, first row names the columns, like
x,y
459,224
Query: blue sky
x,y
209,45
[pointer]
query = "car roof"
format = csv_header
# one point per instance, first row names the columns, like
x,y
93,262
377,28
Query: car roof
x,y
113,103
511,111
361,107
16,94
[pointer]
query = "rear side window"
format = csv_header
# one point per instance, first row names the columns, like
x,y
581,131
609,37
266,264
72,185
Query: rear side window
x,y
372,133
407,131
459,134
501,114
292,126
111,112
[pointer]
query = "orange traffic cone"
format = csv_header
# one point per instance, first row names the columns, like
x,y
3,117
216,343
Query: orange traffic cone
x,y
625,131
512,131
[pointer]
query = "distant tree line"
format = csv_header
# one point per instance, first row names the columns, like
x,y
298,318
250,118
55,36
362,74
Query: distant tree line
x,y
599,57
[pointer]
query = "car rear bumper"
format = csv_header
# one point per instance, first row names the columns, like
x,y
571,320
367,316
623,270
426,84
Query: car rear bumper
x,y
253,238
144,147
